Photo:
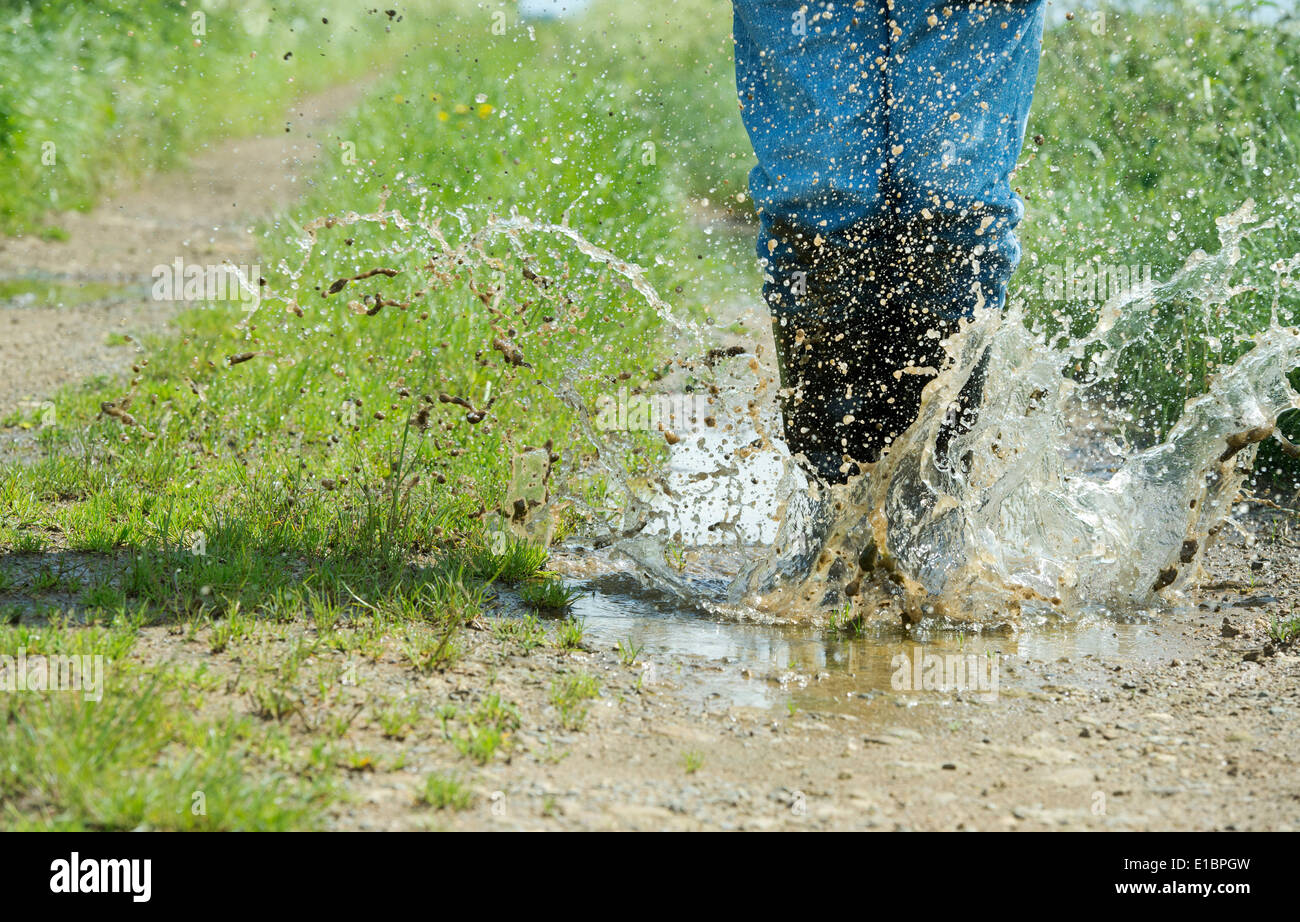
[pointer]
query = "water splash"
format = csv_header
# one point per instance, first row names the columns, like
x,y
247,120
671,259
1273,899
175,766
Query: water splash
x,y
1027,521
1048,509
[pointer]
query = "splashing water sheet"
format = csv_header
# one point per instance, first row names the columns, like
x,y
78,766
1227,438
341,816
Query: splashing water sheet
x,y
1030,524
1051,512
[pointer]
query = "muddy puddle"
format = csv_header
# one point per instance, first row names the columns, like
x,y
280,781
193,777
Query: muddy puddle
x,y
718,662
714,518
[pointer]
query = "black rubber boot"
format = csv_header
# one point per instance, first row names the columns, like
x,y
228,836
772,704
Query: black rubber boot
x,y
936,268
843,349
825,381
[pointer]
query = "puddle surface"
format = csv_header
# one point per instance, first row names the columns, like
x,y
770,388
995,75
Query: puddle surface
x,y
719,662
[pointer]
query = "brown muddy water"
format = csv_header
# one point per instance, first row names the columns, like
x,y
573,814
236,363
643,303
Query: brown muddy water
x,y
819,668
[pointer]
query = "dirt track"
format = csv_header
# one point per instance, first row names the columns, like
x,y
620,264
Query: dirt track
x,y
1207,740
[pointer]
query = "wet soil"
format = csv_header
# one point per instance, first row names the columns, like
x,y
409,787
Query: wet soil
x,y
1186,720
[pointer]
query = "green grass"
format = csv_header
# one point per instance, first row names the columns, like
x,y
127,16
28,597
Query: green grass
x,y
301,490
1284,631
570,633
844,623
62,294
548,594
570,694
515,562
526,633
629,652
443,792
314,451
140,757
1150,132
396,719
487,730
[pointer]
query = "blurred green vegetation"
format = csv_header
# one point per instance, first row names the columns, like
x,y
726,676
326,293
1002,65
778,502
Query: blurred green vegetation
x,y
1151,127
93,92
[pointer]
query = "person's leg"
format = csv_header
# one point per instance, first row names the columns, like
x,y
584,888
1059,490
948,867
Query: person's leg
x,y
960,83
885,138
812,97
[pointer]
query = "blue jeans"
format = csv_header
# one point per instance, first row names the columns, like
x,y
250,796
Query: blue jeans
x,y
885,142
